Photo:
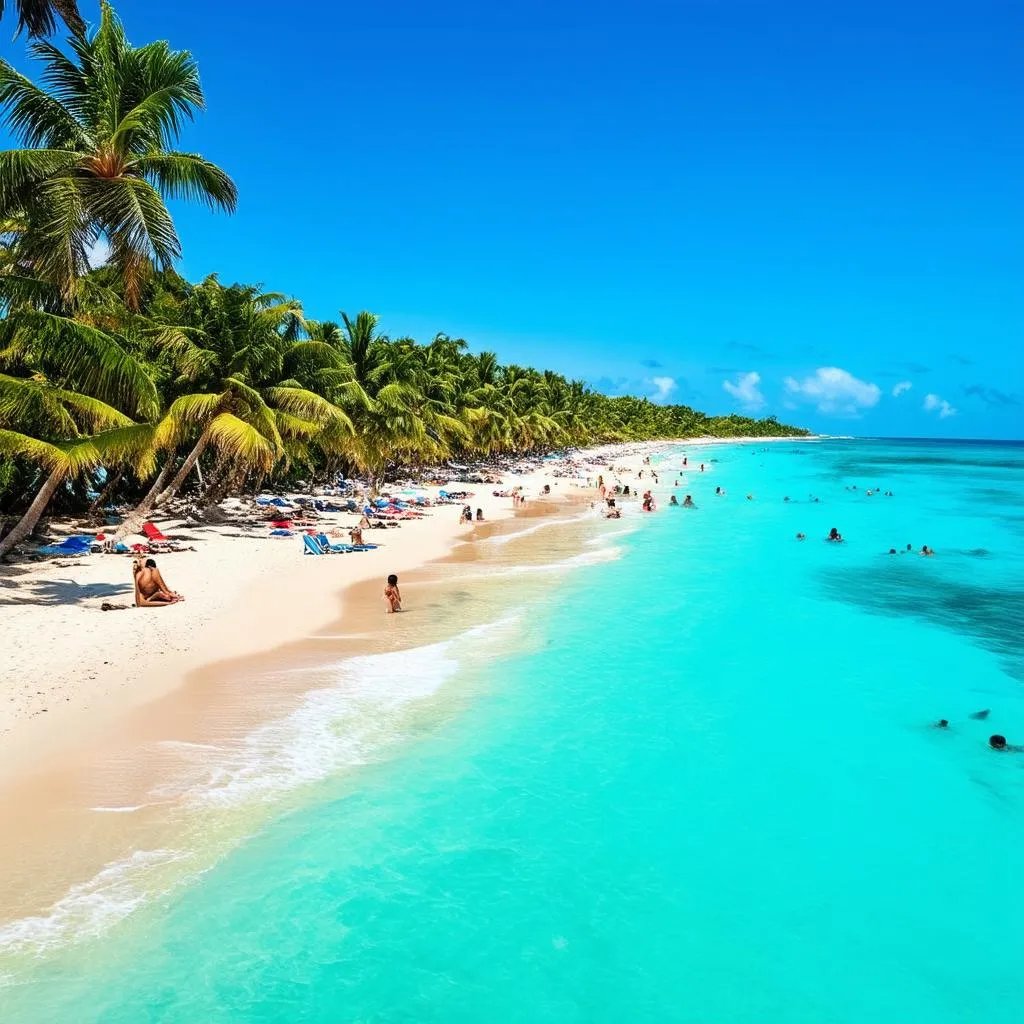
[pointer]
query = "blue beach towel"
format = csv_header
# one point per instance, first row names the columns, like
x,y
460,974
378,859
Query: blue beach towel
x,y
69,546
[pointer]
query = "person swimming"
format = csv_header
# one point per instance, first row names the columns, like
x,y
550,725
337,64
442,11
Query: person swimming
x,y
980,716
998,742
927,551
688,502
942,723
673,500
892,551
393,595
801,536
834,536
150,589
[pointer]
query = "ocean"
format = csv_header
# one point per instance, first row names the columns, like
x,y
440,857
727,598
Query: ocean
x,y
677,767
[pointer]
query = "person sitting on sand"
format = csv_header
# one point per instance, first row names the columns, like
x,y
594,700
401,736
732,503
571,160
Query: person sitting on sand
x,y
392,594
688,502
834,536
150,589
479,515
356,534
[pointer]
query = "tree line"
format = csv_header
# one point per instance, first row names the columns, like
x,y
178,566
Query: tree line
x,y
129,374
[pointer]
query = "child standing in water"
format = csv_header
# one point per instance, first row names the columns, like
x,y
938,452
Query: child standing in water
x,y
392,594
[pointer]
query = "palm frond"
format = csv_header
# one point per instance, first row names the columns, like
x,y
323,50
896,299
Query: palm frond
x,y
91,359
16,445
308,405
241,442
187,413
189,176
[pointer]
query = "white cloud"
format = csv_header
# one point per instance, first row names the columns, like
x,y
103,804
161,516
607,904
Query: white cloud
x,y
664,386
835,391
746,389
904,385
934,402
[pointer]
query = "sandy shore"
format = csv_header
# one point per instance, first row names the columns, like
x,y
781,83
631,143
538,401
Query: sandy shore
x,y
69,667
127,694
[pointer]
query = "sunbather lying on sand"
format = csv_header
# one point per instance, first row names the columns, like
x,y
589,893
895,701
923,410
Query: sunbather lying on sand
x,y
150,589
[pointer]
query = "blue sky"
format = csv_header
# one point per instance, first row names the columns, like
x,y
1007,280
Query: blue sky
x,y
813,210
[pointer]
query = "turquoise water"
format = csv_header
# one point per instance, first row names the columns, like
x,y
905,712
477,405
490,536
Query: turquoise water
x,y
706,790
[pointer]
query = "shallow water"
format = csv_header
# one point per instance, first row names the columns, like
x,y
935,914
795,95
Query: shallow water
x,y
695,783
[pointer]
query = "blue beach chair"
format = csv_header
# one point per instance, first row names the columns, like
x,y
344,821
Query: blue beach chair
x,y
310,545
334,549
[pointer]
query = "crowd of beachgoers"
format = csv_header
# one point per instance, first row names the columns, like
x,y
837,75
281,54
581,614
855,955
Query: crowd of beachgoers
x,y
250,573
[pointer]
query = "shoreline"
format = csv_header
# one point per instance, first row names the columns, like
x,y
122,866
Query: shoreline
x,y
124,751
71,669
117,754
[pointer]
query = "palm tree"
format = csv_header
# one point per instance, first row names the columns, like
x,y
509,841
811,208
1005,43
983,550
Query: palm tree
x,y
72,434
98,161
230,392
375,382
39,17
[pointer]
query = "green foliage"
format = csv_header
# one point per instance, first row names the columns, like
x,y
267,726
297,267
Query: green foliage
x,y
97,160
131,366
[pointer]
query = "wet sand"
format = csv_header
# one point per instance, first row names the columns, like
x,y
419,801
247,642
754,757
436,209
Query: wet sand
x,y
127,792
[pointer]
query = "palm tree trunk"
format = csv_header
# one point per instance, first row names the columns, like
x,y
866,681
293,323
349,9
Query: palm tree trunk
x,y
111,484
186,467
217,481
28,521
140,513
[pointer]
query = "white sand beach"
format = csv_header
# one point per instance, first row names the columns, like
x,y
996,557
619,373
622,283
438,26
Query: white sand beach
x,y
69,666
